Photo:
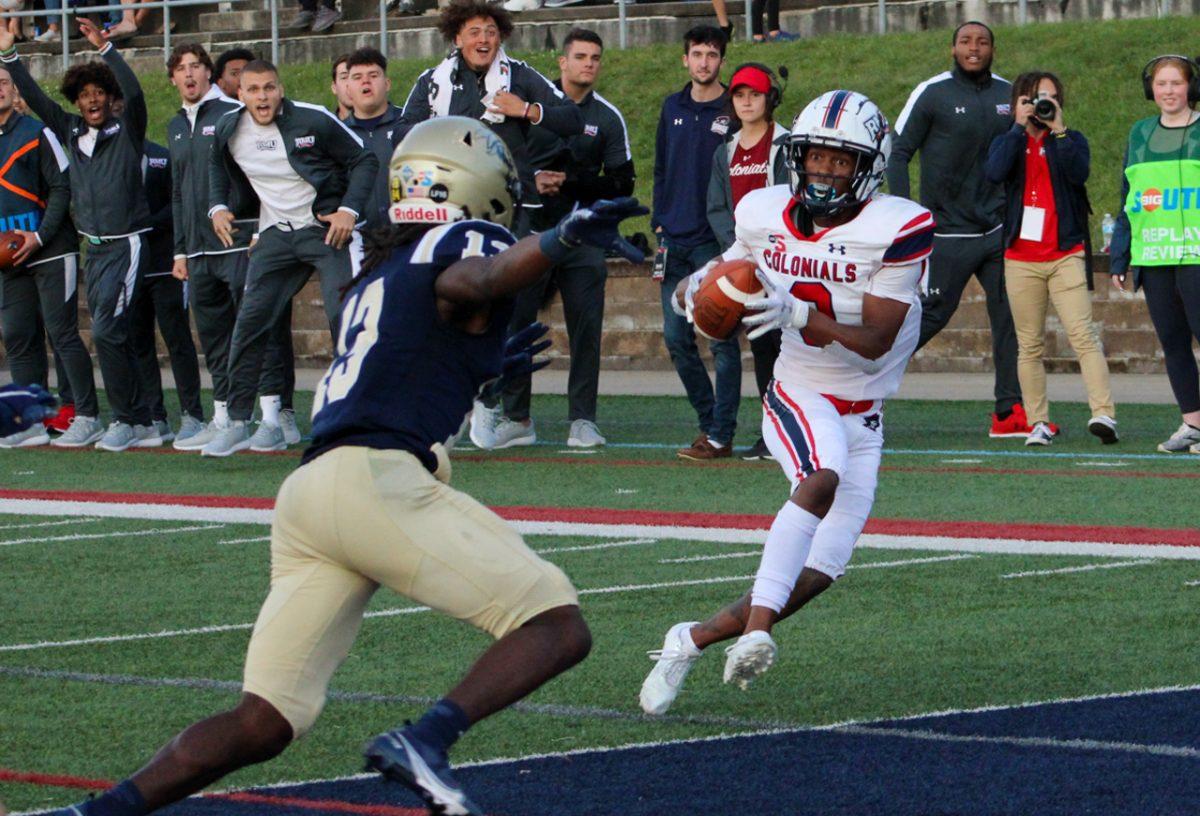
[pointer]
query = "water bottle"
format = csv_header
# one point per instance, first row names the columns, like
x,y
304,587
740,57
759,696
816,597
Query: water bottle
x,y
1106,231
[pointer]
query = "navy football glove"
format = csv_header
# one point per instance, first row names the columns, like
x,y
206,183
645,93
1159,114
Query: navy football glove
x,y
21,406
595,226
519,351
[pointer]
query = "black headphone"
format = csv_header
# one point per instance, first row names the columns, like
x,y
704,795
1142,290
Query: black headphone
x,y
775,94
1193,92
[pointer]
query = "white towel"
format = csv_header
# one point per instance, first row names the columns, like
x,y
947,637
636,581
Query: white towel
x,y
441,85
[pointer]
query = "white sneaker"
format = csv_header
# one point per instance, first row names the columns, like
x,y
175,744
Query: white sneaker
x,y
48,36
147,436
672,664
483,425
287,424
189,429
522,5
1104,427
751,655
1040,435
267,438
196,440
164,429
82,432
228,440
584,434
120,436
1181,440
511,434
31,437
561,3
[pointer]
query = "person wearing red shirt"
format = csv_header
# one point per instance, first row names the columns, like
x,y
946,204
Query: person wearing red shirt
x,y
1044,166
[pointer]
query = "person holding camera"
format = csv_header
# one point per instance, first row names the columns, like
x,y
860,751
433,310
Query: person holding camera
x,y
1155,233
1043,167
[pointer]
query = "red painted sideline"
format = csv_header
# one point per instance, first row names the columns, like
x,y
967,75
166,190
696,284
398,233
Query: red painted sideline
x,y
54,780
663,518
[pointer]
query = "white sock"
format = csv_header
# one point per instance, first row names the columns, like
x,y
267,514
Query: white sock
x,y
270,409
784,554
220,412
715,443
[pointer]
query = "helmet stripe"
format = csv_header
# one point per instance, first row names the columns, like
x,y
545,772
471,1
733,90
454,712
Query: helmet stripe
x,y
837,106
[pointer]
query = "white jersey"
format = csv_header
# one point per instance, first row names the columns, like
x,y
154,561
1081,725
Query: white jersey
x,y
883,251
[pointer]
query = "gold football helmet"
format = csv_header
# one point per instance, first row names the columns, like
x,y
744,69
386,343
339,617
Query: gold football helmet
x,y
452,168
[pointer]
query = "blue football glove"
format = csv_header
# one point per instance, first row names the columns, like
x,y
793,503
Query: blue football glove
x,y
520,350
22,406
596,226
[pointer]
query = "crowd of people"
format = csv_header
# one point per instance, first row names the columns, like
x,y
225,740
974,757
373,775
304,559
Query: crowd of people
x,y
255,190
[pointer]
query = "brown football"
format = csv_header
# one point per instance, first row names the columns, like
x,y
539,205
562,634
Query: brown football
x,y
10,244
720,302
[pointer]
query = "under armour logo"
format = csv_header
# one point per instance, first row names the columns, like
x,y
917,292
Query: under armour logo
x,y
871,423
959,110
839,248
178,136
679,121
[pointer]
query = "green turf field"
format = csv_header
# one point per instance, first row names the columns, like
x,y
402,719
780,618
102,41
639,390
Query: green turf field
x,y
906,631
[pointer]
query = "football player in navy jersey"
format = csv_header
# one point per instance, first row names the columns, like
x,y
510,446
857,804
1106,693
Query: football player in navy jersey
x,y
422,331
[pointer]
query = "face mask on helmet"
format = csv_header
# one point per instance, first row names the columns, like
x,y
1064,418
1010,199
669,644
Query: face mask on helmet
x,y
819,191
450,169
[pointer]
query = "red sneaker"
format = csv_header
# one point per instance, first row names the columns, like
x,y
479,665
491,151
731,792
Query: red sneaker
x,y
62,420
1015,426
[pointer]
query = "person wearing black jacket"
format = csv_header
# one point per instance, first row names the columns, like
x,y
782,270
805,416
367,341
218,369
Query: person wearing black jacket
x,y
571,173
216,274
313,179
162,296
39,291
376,121
108,205
951,120
1043,167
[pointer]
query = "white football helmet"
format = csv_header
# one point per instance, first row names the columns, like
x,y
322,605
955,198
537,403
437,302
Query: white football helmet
x,y
843,120
449,168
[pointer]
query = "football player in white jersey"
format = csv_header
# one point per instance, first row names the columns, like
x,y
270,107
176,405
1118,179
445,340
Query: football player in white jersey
x,y
841,267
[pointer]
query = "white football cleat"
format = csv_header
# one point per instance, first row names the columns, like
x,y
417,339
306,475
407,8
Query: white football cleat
x,y
672,664
751,655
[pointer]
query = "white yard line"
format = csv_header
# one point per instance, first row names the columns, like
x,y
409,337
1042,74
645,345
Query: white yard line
x,y
1024,742
254,540
1081,568
84,520
114,534
868,565
607,545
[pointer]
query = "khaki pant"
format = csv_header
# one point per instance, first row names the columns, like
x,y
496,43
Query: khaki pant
x,y
356,518
1064,283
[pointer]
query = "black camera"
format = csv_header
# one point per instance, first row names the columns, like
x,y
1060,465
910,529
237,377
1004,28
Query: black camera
x,y
1044,109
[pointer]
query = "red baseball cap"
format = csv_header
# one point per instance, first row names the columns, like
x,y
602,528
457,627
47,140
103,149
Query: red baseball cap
x,y
755,79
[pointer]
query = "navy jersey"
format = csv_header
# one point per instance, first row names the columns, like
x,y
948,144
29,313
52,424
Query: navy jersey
x,y
403,378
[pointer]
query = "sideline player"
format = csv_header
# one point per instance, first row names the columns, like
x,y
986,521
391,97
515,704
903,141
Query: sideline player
x,y
841,268
422,329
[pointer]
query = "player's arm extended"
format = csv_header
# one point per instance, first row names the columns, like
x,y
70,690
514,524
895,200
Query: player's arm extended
x,y
881,321
477,280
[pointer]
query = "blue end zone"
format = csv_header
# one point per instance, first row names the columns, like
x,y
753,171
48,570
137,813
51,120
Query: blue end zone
x,y
832,772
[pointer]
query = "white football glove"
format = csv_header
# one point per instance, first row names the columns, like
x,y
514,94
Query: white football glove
x,y
773,309
689,294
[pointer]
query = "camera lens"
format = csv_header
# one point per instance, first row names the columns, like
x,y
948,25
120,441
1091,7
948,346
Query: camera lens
x,y
1043,109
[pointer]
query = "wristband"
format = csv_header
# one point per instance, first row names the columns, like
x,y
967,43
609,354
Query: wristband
x,y
8,52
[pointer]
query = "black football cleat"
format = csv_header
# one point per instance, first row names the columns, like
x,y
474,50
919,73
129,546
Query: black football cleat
x,y
424,770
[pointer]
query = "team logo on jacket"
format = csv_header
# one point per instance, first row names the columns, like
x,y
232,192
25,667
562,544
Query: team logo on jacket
x,y
590,130
1004,110
305,141
720,125
208,130
160,163
109,131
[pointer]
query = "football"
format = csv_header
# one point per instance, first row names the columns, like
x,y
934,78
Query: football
x,y
720,302
10,245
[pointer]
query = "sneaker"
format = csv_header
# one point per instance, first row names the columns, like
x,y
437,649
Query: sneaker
x,y
83,432
511,434
228,440
402,7
751,655
29,438
561,3
326,17
48,36
268,437
522,5
189,429
120,436
1181,440
1104,427
757,451
1014,426
421,768
783,36
584,434
483,425
672,664
200,438
147,436
62,420
287,424
1042,434
302,21
164,430
703,451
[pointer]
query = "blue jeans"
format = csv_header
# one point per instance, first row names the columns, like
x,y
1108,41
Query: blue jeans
x,y
716,411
